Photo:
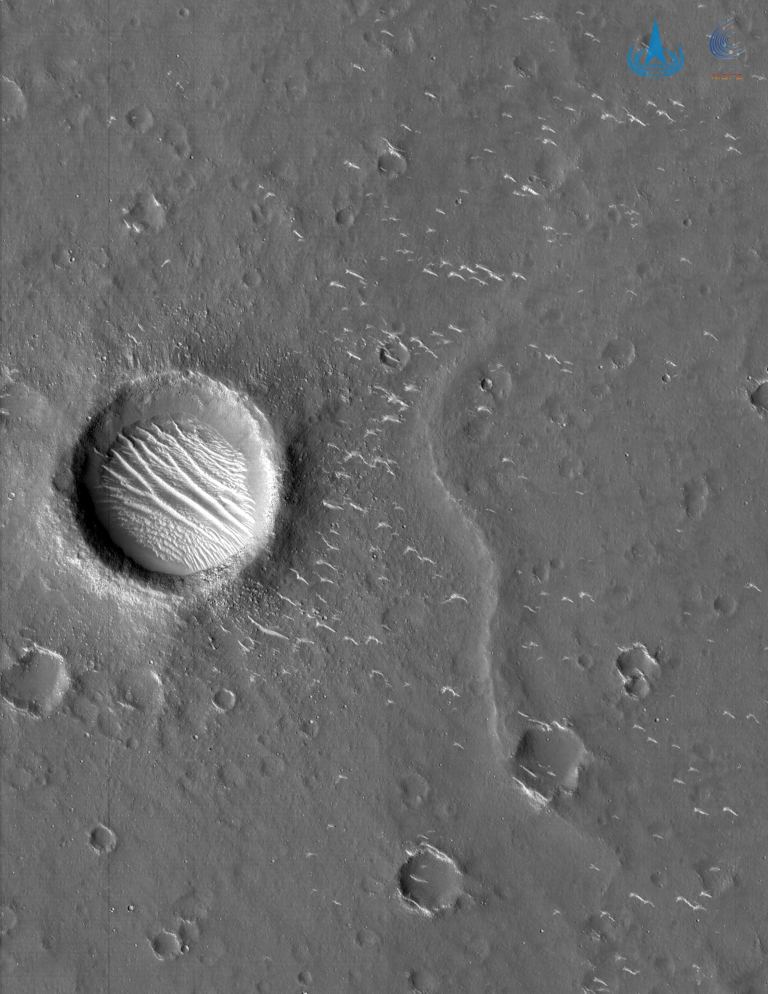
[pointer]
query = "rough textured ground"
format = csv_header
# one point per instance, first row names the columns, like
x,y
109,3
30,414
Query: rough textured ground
x,y
491,715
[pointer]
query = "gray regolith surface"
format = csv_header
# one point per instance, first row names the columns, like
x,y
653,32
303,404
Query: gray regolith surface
x,y
504,303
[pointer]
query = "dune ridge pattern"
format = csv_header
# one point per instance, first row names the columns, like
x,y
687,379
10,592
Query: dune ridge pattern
x,y
184,474
174,496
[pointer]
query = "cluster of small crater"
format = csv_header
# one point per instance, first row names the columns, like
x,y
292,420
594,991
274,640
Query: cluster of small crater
x,y
189,914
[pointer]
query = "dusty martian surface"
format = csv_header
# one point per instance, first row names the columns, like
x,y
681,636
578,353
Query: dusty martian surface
x,y
384,417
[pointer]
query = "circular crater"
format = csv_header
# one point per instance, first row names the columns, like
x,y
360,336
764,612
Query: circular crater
x,y
430,880
549,759
103,839
184,475
37,683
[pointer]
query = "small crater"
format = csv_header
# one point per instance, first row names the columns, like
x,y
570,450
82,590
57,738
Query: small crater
x,y
585,660
394,356
37,683
272,766
718,876
477,428
193,905
61,257
367,938
549,759
620,353
8,919
12,101
556,410
189,933
424,982
406,614
497,383
392,162
140,119
310,727
526,66
571,467
345,218
224,699
166,945
638,669
176,137
695,498
726,605
430,880
231,775
142,689
103,839
147,214
414,790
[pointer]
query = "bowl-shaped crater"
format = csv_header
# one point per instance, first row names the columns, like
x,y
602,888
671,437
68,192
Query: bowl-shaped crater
x,y
184,475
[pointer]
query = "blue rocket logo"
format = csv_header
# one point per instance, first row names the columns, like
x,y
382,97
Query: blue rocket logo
x,y
723,44
655,61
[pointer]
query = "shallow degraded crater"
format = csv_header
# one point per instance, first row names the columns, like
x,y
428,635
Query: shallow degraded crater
x,y
549,759
37,683
638,669
430,880
183,474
